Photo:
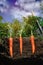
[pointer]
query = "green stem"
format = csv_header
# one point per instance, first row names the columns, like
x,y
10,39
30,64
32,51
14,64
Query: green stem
x,y
31,32
20,34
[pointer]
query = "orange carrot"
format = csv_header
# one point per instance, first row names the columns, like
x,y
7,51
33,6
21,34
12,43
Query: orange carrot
x,y
10,46
32,43
20,44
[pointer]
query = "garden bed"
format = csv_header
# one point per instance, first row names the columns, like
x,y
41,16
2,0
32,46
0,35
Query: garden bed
x,y
27,50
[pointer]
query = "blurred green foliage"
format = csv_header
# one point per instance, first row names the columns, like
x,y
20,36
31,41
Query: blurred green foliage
x,y
16,28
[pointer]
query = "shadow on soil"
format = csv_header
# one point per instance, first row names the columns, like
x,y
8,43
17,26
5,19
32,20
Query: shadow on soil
x,y
5,60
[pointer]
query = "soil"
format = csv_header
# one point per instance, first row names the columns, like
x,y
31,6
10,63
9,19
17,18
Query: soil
x,y
26,57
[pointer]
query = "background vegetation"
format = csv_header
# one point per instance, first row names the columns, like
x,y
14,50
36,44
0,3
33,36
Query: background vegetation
x,y
15,28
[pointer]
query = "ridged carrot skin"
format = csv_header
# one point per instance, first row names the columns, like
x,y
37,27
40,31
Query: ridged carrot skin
x,y
32,43
11,46
21,44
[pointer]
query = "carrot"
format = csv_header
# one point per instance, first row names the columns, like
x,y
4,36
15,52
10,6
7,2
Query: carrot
x,y
10,46
20,44
32,43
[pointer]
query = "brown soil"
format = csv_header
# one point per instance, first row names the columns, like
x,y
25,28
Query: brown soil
x,y
27,50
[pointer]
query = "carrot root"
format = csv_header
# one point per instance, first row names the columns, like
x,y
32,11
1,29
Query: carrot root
x,y
33,44
20,45
11,46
